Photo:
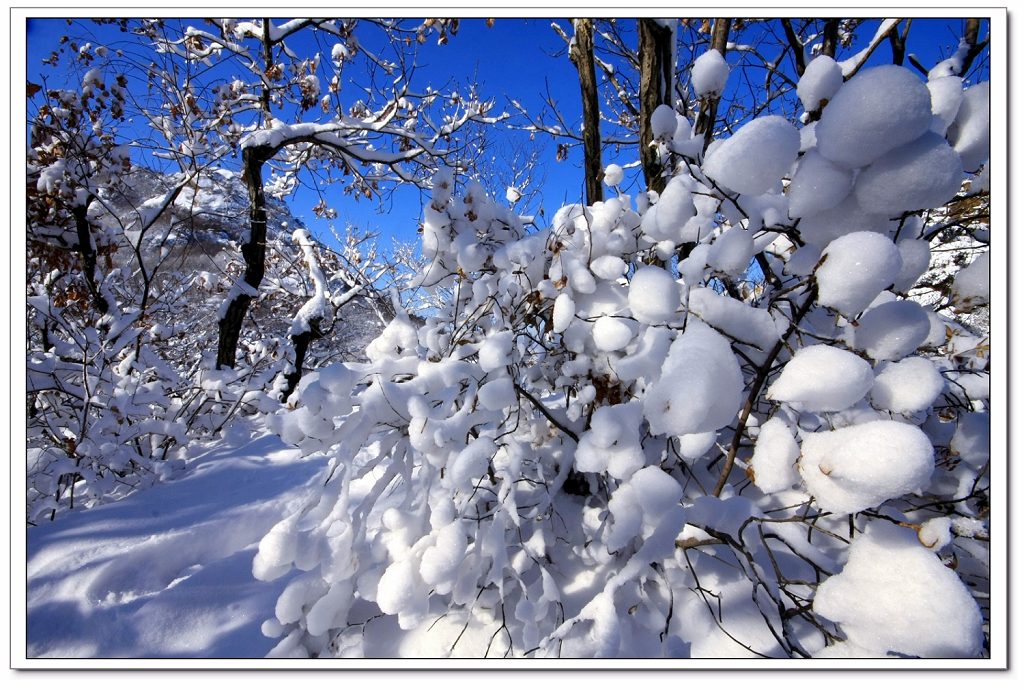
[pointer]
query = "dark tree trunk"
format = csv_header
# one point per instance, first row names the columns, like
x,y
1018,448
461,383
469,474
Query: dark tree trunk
x,y
254,251
709,105
582,55
656,72
830,38
87,255
301,342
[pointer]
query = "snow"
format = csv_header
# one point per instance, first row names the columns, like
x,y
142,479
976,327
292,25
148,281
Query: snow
x,y
700,388
915,256
732,251
608,267
862,466
653,295
820,81
741,321
774,461
971,440
969,132
754,159
663,122
876,111
612,444
817,185
889,570
709,73
857,267
497,394
947,94
971,284
910,385
612,333
563,312
167,572
822,378
891,331
920,175
613,175
496,350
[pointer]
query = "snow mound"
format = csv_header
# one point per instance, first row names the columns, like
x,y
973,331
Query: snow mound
x,y
876,111
755,158
663,122
818,185
822,378
701,385
732,251
612,333
709,73
892,330
862,466
820,81
971,285
947,94
916,256
653,295
613,175
858,267
908,386
920,175
612,444
969,132
775,453
889,570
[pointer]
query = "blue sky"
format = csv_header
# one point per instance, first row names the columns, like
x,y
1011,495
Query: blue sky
x,y
522,59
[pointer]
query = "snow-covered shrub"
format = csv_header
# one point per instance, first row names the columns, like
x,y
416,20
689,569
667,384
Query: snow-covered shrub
x,y
553,464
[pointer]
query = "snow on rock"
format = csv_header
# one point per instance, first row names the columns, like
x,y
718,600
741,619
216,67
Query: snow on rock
x,y
613,175
820,81
612,333
947,94
653,295
709,73
876,111
862,466
774,462
755,158
969,132
889,570
891,331
732,251
857,267
612,444
701,385
920,175
818,185
907,386
971,284
822,378
916,256
663,122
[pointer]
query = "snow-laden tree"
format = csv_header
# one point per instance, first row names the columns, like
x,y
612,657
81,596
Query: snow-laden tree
x,y
604,447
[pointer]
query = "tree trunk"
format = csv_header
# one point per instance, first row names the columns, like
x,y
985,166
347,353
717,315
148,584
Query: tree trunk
x,y
581,52
709,105
656,71
87,255
254,251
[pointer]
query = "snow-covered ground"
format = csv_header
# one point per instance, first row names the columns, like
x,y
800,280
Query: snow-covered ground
x,y
167,572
